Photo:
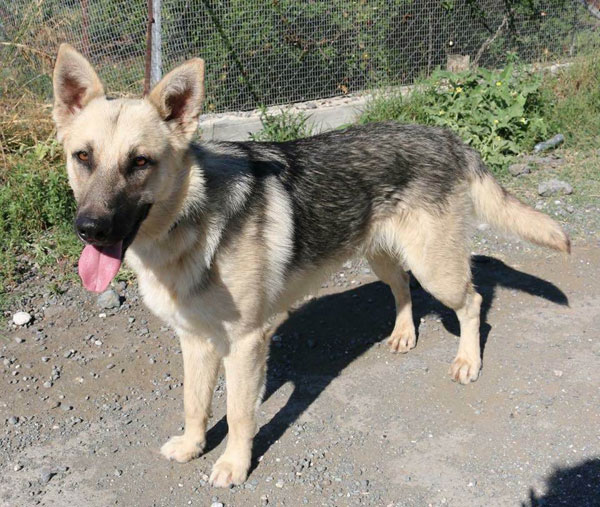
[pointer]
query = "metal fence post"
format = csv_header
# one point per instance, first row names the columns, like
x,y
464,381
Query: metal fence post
x,y
156,59
148,58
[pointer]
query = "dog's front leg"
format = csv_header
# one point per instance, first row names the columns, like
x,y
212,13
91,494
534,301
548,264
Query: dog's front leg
x,y
200,367
245,367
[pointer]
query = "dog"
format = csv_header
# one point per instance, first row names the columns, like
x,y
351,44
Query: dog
x,y
224,236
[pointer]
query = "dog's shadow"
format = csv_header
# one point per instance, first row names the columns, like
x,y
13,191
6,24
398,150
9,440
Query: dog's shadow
x,y
324,336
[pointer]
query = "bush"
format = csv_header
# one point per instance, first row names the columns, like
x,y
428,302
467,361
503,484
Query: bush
x,y
500,114
36,211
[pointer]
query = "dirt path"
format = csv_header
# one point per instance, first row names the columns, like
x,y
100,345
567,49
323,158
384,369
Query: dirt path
x,y
90,395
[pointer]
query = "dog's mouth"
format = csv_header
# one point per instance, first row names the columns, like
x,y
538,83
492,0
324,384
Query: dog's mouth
x,y
99,264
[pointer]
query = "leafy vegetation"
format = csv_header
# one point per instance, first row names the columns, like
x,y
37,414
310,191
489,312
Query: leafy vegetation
x,y
500,114
36,211
285,126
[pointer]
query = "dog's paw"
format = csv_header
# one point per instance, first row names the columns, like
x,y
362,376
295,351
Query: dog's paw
x,y
182,448
402,341
464,369
227,472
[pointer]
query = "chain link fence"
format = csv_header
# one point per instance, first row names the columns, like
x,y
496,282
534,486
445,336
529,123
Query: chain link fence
x,y
280,51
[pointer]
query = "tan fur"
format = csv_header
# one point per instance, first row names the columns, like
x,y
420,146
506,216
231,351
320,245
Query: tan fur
x,y
505,212
226,318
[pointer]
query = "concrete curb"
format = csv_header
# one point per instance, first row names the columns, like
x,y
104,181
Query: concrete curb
x,y
332,114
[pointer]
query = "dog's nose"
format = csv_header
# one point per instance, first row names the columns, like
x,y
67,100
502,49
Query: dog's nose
x,y
92,229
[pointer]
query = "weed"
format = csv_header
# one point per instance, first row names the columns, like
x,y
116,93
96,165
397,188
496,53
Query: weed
x,y
36,211
285,126
575,107
497,113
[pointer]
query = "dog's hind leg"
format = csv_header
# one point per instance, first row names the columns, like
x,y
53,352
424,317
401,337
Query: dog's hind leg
x,y
245,367
200,366
436,251
389,271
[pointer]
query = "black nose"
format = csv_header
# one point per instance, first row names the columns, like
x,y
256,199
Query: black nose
x,y
93,229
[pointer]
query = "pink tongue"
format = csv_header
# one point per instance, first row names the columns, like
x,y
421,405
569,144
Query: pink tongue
x,y
99,265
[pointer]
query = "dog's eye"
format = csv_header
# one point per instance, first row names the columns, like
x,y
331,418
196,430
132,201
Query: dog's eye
x,y
140,161
84,156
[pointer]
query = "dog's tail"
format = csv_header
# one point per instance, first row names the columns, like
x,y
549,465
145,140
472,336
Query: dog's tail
x,y
500,209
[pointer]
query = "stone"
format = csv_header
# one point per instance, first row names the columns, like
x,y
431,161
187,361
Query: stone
x,y
22,318
518,169
554,187
109,299
46,475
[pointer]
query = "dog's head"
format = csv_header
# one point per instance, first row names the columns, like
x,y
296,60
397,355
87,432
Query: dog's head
x,y
124,156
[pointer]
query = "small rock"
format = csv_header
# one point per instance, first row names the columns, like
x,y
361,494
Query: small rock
x,y
18,467
66,408
45,359
110,366
553,142
46,475
216,504
109,299
21,318
13,419
518,169
18,339
554,187
47,384
558,373
118,472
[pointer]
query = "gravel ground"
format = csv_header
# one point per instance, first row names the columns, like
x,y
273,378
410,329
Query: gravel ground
x,y
92,387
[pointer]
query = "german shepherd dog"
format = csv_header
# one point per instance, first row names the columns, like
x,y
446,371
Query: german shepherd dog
x,y
225,236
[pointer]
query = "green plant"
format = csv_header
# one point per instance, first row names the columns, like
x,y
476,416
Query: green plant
x,y
575,106
285,126
36,212
497,113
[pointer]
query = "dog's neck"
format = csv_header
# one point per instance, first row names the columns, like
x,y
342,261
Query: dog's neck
x,y
195,215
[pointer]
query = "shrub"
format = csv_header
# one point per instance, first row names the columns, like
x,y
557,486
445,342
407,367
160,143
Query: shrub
x,y
500,114
36,211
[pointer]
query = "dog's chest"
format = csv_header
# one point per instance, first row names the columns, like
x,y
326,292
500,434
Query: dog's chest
x,y
170,295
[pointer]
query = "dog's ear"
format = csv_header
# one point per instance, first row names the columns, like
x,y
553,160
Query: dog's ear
x,y
75,84
179,95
